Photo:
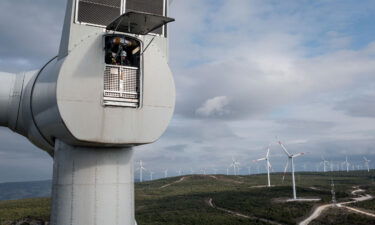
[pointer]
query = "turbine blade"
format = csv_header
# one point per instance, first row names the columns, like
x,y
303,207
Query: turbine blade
x,y
268,152
286,167
299,154
283,147
259,159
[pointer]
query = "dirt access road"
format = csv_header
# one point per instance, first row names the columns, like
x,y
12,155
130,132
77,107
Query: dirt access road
x,y
210,203
318,211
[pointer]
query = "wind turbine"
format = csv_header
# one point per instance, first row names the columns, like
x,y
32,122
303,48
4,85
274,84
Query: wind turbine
x,y
268,165
166,173
152,175
235,164
249,170
228,171
141,169
324,162
367,165
179,172
291,160
347,164
86,108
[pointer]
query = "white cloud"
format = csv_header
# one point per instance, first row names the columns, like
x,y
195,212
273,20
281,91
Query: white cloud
x,y
214,106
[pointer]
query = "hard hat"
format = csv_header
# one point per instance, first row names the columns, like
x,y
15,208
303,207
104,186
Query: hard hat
x,y
118,40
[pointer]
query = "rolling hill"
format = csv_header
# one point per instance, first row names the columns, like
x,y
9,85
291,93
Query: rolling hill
x,y
225,200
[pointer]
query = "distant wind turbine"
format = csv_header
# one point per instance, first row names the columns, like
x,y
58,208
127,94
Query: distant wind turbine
x,y
291,160
166,173
235,164
249,170
141,169
347,164
324,162
268,165
367,164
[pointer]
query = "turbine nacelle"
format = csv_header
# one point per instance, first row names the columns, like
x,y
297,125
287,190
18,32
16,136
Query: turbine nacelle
x,y
109,86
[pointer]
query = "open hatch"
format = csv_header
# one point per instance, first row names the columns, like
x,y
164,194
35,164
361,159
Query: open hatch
x,y
122,84
141,23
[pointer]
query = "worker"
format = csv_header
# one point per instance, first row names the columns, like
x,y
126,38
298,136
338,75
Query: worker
x,y
124,61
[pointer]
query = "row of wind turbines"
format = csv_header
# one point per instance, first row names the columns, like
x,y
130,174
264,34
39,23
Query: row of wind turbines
x,y
235,165
329,165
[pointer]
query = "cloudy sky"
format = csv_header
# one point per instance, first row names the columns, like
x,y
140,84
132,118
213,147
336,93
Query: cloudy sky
x,y
246,71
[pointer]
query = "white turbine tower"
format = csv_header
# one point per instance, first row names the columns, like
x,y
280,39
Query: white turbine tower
x,y
347,164
141,169
367,163
152,175
268,165
291,160
166,173
235,164
249,170
324,162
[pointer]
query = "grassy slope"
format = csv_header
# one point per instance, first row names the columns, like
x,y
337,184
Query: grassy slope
x,y
184,203
14,210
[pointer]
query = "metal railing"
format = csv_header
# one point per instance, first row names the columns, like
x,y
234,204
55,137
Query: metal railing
x,y
121,86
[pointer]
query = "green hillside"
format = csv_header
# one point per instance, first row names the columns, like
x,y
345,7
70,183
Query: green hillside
x,y
208,200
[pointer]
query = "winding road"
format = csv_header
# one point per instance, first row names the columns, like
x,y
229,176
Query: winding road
x,y
318,211
210,203
176,182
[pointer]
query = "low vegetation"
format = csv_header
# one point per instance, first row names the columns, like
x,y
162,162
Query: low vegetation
x,y
185,203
